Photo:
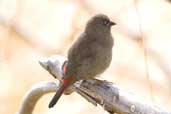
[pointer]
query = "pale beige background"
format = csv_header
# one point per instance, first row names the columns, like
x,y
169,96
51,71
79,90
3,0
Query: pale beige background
x,y
30,29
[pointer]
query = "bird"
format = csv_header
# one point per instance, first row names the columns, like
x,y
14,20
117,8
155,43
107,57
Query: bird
x,y
89,56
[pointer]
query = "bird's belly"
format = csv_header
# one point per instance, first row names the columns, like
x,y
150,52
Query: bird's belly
x,y
102,62
99,64
91,66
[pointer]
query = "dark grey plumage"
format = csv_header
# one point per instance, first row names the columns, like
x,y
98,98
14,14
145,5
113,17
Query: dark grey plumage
x,y
90,55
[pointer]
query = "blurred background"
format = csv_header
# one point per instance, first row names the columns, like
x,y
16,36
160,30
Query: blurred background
x,y
30,29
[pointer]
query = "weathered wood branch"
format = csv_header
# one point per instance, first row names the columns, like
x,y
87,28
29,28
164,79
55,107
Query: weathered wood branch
x,y
101,92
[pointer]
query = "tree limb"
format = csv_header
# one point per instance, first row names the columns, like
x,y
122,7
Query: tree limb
x,y
101,92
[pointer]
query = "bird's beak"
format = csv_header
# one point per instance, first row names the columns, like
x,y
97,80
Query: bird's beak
x,y
112,23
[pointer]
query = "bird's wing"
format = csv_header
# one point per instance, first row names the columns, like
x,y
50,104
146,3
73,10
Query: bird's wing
x,y
80,54
81,49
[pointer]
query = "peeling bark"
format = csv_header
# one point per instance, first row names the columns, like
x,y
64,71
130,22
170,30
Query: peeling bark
x,y
106,94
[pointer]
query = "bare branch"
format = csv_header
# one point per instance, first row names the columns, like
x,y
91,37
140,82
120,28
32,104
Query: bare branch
x,y
101,92
34,94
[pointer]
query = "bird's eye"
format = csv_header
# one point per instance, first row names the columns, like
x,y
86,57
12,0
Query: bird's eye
x,y
106,22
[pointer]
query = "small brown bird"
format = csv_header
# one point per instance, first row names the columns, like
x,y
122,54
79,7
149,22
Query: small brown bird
x,y
90,55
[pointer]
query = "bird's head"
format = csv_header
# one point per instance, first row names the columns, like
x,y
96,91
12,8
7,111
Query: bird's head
x,y
99,23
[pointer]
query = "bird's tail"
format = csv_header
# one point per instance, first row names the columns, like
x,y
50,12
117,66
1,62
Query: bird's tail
x,y
57,95
64,84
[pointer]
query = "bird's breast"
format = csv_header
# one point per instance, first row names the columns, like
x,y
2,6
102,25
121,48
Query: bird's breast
x,y
90,58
